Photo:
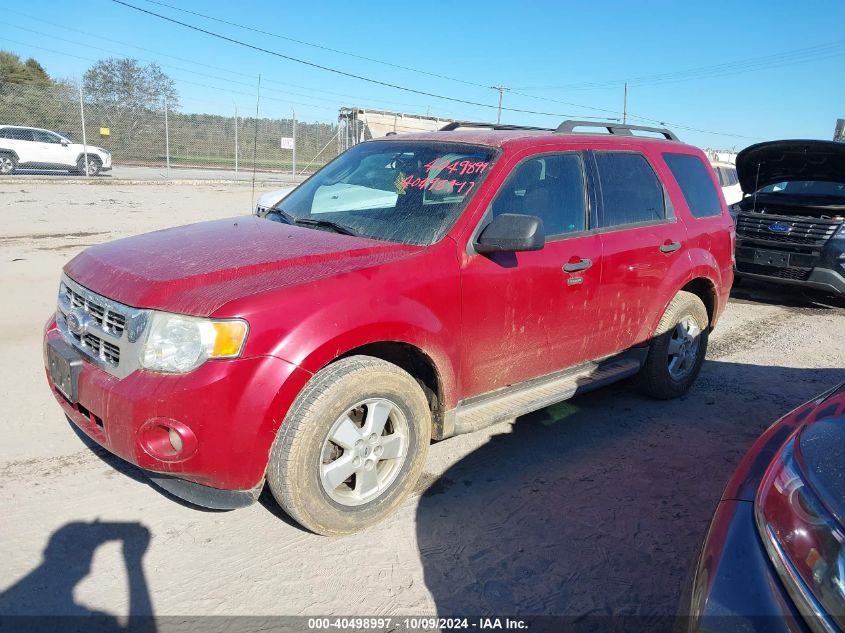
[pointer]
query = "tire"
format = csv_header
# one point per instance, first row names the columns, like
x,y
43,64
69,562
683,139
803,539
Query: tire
x,y
306,463
94,165
8,164
681,337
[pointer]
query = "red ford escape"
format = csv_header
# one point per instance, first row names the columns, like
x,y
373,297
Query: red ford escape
x,y
417,287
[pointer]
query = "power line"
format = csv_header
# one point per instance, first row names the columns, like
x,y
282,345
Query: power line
x,y
195,72
775,60
335,70
192,72
644,119
178,79
183,59
615,113
318,46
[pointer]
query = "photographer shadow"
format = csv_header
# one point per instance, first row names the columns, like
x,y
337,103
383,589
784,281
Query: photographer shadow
x,y
44,600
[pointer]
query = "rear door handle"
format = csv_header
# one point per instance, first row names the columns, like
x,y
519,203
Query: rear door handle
x,y
574,267
671,247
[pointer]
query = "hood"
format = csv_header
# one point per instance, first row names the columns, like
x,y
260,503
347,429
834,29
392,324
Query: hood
x,y
197,269
779,161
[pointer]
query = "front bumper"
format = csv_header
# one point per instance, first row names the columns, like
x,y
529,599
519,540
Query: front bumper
x,y
232,408
824,272
820,279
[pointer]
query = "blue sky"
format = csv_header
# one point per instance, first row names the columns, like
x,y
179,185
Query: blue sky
x,y
735,72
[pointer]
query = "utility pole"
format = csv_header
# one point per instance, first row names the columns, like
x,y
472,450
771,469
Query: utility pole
x,y
293,161
84,138
166,137
625,105
502,90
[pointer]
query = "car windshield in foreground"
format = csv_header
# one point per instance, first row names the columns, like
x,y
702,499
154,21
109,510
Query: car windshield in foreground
x,y
398,191
816,188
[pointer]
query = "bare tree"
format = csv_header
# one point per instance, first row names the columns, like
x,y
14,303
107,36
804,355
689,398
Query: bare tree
x,y
128,94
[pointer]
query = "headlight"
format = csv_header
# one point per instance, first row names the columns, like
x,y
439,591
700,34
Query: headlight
x,y
178,344
803,540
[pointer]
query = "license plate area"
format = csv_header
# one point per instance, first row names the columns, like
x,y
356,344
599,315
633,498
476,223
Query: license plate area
x,y
64,364
771,258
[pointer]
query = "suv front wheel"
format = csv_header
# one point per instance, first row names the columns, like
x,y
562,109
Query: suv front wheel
x,y
352,446
94,165
677,350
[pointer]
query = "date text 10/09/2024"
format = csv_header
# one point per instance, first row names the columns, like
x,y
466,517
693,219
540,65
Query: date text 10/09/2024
x,y
417,624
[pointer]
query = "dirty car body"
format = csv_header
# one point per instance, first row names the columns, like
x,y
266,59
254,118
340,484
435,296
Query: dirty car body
x,y
198,352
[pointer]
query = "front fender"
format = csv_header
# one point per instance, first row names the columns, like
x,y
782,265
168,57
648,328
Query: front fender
x,y
323,337
414,300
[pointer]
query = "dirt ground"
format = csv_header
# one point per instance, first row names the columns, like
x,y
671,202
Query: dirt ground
x,y
596,506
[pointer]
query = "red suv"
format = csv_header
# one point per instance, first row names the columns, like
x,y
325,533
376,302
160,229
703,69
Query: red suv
x,y
417,287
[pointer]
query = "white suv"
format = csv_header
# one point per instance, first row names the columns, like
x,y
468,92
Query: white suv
x,y
34,148
728,181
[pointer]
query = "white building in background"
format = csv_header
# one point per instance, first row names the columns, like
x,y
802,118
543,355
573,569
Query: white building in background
x,y
721,156
361,124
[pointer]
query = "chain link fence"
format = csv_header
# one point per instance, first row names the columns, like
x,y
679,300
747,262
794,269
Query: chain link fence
x,y
165,137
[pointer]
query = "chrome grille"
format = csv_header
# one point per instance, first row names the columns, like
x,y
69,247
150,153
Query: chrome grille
x,y
100,347
107,319
106,332
804,231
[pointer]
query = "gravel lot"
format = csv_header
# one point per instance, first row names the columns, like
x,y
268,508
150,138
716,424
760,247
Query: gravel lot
x,y
596,506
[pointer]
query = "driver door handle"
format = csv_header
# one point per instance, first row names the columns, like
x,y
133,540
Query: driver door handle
x,y
575,266
670,247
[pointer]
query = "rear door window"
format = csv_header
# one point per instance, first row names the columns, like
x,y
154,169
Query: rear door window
x,y
630,190
45,137
695,183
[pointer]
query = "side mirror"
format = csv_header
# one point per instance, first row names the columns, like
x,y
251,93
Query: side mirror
x,y
511,232
65,143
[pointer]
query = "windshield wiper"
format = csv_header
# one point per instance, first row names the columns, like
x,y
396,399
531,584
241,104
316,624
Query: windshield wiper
x,y
334,226
286,217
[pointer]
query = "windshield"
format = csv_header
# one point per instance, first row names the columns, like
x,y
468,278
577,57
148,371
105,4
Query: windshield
x,y
398,191
816,188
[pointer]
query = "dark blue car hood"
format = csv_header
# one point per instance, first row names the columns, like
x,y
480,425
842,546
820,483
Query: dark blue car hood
x,y
778,161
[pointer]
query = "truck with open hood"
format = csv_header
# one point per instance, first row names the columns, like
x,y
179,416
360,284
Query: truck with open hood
x,y
790,228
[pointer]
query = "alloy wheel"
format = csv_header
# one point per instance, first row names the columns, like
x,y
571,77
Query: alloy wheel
x,y
683,348
364,452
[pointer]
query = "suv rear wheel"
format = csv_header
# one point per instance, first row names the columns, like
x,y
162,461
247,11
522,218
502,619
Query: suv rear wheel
x,y
677,350
8,164
351,447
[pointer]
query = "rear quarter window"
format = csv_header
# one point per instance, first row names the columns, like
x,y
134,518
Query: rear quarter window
x,y
696,184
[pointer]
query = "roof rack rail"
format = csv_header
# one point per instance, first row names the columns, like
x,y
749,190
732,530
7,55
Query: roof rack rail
x,y
568,127
454,125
